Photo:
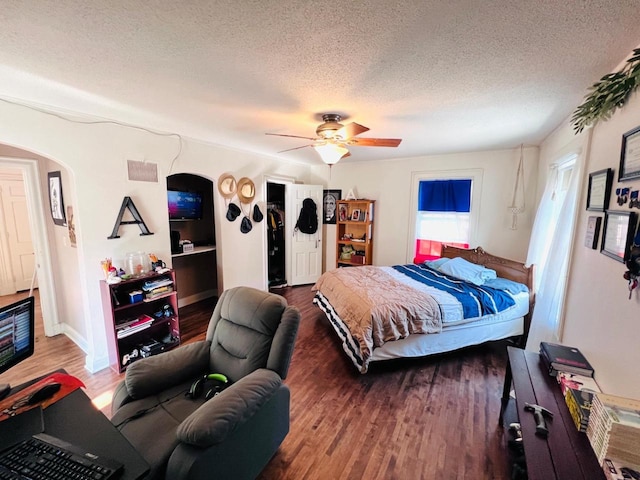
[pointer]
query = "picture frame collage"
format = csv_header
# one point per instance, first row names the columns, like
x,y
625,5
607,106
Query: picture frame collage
x,y
619,227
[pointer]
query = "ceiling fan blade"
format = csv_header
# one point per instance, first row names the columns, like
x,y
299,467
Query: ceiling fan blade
x,y
291,136
295,148
350,130
348,154
375,142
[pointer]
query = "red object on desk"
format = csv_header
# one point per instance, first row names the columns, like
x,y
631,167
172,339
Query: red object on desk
x,y
68,383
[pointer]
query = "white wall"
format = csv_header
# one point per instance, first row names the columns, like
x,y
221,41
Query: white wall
x,y
95,183
65,258
599,318
389,183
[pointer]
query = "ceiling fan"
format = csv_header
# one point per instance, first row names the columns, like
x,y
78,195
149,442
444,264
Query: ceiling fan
x,y
333,138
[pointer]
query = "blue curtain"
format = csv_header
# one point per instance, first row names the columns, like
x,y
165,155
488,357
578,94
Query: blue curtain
x,y
444,196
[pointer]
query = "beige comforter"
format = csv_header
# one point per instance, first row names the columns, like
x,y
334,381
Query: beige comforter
x,y
376,307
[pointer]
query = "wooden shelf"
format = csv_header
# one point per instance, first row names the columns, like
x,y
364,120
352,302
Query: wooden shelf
x,y
355,230
195,251
117,310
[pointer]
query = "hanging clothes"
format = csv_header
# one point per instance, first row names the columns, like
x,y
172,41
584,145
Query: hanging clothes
x,y
275,245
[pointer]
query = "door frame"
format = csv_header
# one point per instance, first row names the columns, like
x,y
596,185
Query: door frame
x,y
31,176
288,229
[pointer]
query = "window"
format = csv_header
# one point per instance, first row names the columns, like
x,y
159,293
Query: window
x,y
548,214
443,216
550,248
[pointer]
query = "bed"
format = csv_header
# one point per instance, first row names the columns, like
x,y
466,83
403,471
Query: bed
x,y
383,313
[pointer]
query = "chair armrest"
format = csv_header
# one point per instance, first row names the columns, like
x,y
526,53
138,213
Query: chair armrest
x,y
284,341
154,374
216,419
120,397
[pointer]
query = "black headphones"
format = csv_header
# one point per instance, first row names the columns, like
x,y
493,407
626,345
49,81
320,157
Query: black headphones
x,y
213,383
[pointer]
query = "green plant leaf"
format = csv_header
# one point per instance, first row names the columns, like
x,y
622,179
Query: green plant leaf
x,y
608,94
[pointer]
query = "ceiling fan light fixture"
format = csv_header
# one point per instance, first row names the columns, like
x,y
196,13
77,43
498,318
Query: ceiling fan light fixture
x,y
330,126
330,153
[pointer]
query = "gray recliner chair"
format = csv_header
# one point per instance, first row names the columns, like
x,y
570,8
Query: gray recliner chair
x,y
250,340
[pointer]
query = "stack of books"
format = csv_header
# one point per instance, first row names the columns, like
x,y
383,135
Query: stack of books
x,y
130,327
614,429
561,358
578,392
156,288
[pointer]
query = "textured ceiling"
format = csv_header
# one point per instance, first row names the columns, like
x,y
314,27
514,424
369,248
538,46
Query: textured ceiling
x,y
445,76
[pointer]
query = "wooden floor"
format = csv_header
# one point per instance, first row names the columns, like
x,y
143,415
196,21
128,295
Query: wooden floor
x,y
430,418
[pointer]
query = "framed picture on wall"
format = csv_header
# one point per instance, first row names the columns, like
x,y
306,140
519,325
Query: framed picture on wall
x,y
56,202
619,228
329,205
630,155
599,190
593,232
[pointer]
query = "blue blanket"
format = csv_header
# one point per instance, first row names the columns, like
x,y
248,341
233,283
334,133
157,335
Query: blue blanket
x,y
476,300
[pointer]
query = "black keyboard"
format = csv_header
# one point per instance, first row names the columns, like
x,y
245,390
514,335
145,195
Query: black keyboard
x,y
43,457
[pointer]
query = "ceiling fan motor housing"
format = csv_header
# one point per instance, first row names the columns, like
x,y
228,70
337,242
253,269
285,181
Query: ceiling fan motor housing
x,y
330,126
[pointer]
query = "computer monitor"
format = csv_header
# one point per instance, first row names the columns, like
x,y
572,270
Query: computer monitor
x,y
17,337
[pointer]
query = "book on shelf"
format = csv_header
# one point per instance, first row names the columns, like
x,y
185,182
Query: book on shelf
x,y
614,429
130,327
562,358
579,403
150,285
576,382
158,292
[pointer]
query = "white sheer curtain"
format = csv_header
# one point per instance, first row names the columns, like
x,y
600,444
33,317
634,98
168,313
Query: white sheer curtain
x,y
549,248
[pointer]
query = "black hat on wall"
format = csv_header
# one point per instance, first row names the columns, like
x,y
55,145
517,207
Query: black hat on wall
x,y
232,212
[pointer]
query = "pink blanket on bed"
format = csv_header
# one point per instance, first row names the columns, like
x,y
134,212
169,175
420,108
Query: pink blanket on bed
x,y
376,307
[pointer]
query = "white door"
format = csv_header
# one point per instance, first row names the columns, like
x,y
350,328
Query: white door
x,y
15,225
306,249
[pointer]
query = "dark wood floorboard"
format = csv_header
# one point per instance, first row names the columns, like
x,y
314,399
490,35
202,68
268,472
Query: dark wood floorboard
x,y
429,418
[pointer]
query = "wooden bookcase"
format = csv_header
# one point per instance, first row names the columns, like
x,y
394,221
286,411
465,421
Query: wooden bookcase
x,y
355,231
122,305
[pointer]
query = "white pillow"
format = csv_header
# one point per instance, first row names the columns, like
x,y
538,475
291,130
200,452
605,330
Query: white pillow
x,y
465,270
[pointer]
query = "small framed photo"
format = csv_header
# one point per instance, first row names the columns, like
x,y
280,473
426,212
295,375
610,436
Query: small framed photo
x,y
599,190
355,215
56,202
343,213
630,155
593,232
619,228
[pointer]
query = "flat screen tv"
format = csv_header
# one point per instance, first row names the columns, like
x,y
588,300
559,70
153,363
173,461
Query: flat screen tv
x,y
184,205
17,338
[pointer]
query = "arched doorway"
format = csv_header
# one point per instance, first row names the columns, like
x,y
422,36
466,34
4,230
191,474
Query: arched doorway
x,y
29,165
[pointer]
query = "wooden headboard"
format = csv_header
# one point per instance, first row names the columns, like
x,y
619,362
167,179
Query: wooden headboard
x,y
504,268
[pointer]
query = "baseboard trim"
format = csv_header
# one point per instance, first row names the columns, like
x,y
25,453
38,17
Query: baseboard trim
x,y
198,297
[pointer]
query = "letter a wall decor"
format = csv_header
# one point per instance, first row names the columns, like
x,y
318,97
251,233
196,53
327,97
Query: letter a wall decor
x,y
127,203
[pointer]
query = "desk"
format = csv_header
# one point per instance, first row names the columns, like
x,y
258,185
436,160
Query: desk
x,y
75,419
566,453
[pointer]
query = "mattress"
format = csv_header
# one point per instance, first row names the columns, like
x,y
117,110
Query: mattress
x,y
456,333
